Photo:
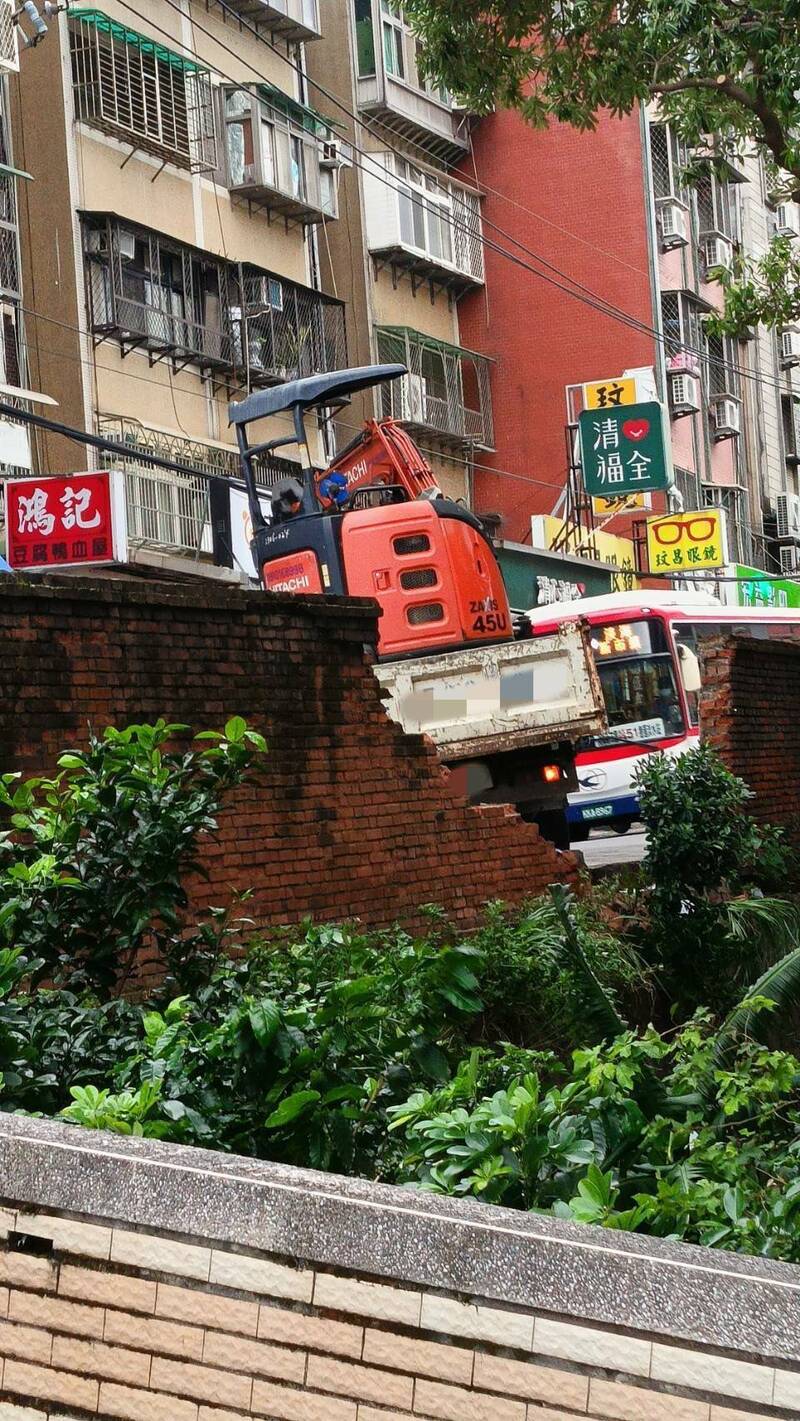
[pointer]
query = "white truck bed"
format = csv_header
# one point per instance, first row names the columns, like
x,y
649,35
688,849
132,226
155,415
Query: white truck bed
x,y
494,698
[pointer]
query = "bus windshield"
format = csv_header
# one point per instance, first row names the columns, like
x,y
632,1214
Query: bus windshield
x,y
637,673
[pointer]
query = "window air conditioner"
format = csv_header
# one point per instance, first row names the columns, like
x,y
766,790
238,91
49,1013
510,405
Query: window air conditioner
x,y
684,393
717,253
725,418
330,154
789,555
787,506
412,399
674,225
787,219
790,347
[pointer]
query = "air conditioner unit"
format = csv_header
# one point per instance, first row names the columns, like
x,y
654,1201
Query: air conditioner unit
x,y
725,418
674,221
790,347
717,253
684,392
789,556
787,219
413,398
787,507
126,245
9,38
331,154
683,362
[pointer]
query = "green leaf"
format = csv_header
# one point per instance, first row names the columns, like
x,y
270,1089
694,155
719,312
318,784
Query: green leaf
x,y
431,1060
235,729
290,1108
264,1018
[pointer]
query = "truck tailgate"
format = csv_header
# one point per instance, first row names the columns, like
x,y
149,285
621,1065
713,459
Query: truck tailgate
x,y
493,698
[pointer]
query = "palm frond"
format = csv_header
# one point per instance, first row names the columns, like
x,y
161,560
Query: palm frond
x,y
601,1008
779,984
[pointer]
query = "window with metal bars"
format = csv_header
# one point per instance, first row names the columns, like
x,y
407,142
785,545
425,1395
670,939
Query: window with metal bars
x,y
680,319
687,483
715,206
667,157
721,376
130,86
790,412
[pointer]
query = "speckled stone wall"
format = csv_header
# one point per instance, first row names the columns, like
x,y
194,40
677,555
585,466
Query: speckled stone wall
x,y
151,1282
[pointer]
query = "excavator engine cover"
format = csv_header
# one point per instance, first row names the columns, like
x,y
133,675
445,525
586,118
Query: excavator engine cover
x,y
429,565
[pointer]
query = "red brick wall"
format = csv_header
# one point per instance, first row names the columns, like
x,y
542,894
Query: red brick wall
x,y
580,205
749,712
353,818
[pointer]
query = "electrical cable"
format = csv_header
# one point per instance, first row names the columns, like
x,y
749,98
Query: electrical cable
x,y
590,298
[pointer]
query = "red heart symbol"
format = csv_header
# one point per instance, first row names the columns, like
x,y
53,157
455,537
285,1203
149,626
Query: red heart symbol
x,y
636,429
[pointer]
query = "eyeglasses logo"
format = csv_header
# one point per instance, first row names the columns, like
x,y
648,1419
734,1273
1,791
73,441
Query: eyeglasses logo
x,y
699,529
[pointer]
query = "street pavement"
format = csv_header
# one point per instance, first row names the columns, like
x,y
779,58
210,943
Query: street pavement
x,y
602,848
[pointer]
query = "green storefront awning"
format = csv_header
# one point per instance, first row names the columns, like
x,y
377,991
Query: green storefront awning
x,y
301,114
120,32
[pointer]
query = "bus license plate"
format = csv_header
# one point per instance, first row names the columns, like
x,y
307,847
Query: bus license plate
x,y
598,811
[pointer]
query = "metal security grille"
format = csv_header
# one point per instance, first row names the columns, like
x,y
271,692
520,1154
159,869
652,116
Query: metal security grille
x,y
9,48
445,392
126,84
688,485
667,159
145,290
290,330
680,320
721,376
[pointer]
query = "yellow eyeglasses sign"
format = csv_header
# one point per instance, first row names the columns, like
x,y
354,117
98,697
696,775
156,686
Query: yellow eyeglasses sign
x,y
687,542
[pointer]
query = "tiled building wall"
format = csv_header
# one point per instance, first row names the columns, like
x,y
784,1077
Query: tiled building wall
x,y
107,1320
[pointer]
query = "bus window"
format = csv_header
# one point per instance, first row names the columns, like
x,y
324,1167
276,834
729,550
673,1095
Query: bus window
x,y
635,665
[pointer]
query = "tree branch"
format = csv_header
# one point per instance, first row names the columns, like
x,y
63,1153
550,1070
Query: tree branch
x,y
772,129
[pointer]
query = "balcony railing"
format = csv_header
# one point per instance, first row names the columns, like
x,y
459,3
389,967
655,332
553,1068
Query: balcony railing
x,y
391,89
293,20
147,291
127,85
422,222
446,392
276,154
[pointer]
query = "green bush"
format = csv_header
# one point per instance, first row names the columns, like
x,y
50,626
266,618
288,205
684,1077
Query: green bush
x,y
93,861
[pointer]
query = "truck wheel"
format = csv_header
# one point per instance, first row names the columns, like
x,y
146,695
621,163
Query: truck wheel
x,y
551,823
622,825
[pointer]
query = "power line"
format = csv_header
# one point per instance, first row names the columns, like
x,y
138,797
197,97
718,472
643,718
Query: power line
x,y
591,298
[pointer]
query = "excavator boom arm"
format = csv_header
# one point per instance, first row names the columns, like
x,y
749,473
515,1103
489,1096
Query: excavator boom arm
x,y
382,454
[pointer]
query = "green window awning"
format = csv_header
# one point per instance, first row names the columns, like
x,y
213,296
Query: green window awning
x,y
120,32
432,342
301,114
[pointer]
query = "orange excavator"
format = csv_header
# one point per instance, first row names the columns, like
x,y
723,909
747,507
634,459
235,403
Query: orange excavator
x,y
373,524
503,712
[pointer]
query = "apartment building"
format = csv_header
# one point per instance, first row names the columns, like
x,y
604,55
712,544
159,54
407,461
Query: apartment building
x,y
626,264
408,245
180,181
15,439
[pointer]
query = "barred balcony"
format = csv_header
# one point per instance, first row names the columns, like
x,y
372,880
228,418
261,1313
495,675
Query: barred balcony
x,y
275,154
127,85
446,393
170,512
423,223
390,87
146,291
294,21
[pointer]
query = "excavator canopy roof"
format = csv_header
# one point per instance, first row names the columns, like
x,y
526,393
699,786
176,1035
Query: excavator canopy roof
x,y
314,390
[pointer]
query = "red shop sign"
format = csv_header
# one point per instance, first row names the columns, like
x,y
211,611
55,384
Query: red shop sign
x,y
64,521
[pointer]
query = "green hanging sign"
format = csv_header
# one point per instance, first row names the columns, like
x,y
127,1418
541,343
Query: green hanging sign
x,y
625,449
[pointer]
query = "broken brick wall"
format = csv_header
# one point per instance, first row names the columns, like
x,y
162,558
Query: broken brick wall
x,y
351,818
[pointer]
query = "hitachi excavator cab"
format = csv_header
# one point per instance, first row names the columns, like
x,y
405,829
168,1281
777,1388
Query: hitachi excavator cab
x,y
373,525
